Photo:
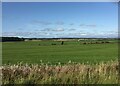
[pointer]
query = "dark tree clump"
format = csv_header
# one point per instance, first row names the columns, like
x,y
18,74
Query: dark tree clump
x,y
62,42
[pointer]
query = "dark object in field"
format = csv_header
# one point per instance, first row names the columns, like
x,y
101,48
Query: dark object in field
x,y
53,44
84,43
107,42
39,44
102,42
62,43
97,43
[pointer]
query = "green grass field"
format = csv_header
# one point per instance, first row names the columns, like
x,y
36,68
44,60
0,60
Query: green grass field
x,y
99,66
34,51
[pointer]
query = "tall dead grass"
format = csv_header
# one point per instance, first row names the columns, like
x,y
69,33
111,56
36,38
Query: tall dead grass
x,y
69,73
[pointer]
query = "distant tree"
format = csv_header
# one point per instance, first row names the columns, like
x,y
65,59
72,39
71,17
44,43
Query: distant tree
x,y
107,42
5,39
84,43
102,42
53,44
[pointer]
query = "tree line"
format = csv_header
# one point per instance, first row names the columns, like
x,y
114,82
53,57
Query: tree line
x,y
10,39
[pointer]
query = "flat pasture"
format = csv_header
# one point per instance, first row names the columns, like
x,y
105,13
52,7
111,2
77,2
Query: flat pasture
x,y
50,51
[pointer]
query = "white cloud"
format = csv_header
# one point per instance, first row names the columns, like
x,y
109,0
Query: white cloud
x,y
59,32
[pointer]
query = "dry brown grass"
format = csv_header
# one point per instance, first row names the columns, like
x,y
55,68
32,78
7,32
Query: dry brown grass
x,y
70,73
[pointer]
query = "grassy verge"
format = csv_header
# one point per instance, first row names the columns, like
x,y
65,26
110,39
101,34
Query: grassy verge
x,y
69,73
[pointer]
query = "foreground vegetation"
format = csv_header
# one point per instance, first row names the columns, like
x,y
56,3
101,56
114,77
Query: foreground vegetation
x,y
69,73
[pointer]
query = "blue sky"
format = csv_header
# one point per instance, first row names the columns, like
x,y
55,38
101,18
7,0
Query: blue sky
x,y
60,19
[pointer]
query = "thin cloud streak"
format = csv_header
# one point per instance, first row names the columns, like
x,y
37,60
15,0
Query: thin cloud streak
x,y
41,22
88,25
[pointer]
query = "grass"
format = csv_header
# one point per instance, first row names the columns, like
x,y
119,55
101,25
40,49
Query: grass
x,y
40,62
34,51
70,73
